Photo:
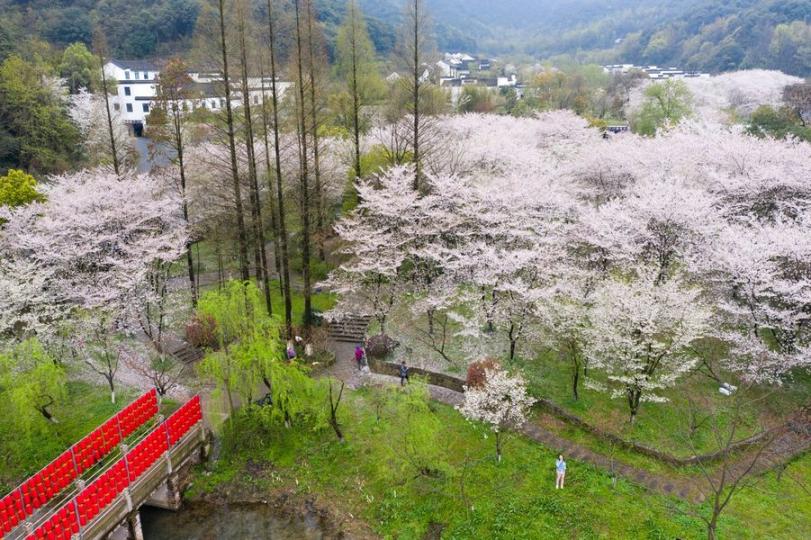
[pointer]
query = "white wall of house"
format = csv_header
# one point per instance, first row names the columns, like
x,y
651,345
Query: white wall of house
x,y
136,90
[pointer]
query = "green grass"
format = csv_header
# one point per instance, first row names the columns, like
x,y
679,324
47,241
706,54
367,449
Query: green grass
x,y
368,476
321,301
662,426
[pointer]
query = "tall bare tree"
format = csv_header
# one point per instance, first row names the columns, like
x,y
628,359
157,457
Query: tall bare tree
x,y
414,49
167,126
314,61
242,238
258,228
356,66
100,46
282,246
304,173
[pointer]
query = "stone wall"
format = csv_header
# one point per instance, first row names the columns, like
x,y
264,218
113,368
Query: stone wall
x,y
549,407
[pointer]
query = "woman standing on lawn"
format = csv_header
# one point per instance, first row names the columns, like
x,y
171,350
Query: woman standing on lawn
x,y
560,469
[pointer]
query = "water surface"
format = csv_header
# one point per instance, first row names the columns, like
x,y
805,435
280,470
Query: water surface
x,y
235,522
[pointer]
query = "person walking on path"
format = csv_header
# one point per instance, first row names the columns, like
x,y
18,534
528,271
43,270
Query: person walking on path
x,y
291,350
403,373
359,353
560,469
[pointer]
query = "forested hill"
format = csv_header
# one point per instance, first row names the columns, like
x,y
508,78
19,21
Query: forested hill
x,y
710,35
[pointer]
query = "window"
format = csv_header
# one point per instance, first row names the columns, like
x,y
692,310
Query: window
x,y
256,100
145,107
136,75
116,106
222,103
129,107
146,75
126,75
127,91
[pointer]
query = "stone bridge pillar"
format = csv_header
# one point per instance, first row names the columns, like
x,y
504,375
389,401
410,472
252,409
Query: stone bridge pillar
x,y
134,530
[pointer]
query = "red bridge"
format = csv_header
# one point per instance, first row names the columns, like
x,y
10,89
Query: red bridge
x,y
99,483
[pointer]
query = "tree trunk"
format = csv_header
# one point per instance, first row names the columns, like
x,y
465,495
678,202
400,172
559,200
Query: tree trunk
x,y
111,384
498,446
634,398
712,526
229,116
334,404
355,95
304,177
416,96
274,226
513,337
181,164
319,196
575,371
285,257
113,149
256,211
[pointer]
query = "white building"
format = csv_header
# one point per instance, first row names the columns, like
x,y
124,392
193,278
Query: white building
x,y
136,90
654,72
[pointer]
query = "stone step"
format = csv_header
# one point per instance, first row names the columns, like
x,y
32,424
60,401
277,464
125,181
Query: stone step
x,y
188,354
351,329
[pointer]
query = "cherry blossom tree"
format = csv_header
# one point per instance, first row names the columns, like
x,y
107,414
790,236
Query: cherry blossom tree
x,y
99,242
639,334
501,402
513,247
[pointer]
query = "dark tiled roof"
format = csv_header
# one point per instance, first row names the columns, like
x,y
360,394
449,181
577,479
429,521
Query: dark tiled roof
x,y
137,65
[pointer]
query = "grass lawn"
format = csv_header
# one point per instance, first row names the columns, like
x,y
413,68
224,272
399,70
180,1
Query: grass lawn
x,y
322,301
371,474
663,426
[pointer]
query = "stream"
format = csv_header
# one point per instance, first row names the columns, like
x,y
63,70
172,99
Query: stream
x,y
202,521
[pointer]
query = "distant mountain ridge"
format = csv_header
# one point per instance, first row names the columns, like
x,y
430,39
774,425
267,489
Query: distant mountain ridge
x,y
708,35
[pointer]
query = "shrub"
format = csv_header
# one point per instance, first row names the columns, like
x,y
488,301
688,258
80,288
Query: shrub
x,y
201,331
477,372
380,346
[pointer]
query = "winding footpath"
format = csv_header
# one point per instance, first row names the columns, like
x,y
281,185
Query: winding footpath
x,y
344,369
789,443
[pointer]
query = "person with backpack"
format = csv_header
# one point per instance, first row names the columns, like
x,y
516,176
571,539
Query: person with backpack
x,y
403,373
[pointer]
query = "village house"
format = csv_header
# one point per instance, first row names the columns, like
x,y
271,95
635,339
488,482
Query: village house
x,y
136,89
654,72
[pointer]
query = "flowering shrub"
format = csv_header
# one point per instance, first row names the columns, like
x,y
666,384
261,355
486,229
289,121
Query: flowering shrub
x,y
477,372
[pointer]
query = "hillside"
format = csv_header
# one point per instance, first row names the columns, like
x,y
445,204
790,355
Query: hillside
x,y
709,35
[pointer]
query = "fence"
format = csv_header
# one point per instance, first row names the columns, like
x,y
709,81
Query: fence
x,y
76,513
55,477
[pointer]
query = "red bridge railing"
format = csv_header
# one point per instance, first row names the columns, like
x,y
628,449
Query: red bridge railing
x,y
55,477
75,514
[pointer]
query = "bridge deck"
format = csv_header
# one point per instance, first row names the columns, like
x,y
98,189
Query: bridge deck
x,y
123,481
